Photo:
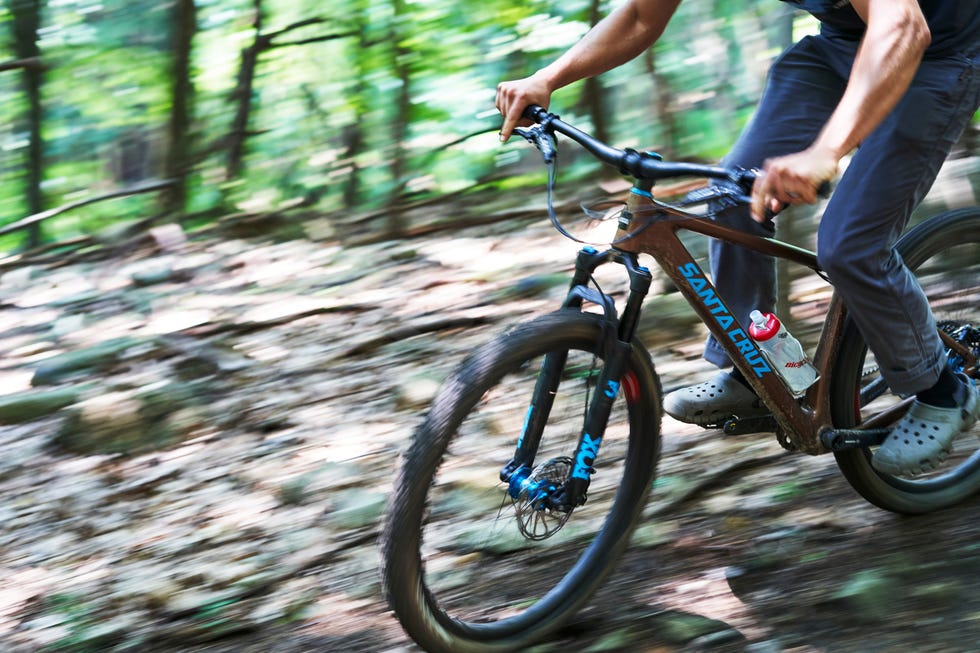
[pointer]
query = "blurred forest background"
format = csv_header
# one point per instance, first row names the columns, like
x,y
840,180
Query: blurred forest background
x,y
198,435
192,110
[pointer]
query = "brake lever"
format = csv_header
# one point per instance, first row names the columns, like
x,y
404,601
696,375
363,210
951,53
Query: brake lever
x,y
542,139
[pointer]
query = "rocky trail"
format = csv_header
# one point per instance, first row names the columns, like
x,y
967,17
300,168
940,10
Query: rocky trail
x,y
198,437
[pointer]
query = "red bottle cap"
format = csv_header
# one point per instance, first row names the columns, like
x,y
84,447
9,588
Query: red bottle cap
x,y
764,325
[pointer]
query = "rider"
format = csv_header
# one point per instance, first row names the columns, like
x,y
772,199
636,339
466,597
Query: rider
x,y
898,81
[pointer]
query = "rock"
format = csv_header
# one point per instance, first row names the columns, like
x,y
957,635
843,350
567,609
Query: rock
x,y
713,640
356,508
681,628
293,492
205,603
68,324
91,359
205,360
655,534
320,229
26,406
473,538
107,423
169,236
415,392
532,286
154,275
624,639
128,422
871,594
159,401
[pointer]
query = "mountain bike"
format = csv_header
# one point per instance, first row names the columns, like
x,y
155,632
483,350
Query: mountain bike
x,y
523,484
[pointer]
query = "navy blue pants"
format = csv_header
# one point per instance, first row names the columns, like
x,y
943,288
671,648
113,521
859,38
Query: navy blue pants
x,y
888,176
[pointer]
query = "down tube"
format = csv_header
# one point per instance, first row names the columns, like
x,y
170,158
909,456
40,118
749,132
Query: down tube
x,y
742,350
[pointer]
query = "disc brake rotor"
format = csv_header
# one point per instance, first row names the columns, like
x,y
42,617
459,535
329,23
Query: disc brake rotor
x,y
536,518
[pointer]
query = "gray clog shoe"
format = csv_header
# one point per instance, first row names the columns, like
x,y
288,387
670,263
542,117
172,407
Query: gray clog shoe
x,y
710,403
922,439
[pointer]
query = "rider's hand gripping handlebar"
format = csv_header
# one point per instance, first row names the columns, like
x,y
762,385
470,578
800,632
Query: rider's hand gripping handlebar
x,y
640,165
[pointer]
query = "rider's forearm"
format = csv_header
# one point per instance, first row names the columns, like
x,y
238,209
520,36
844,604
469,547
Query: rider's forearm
x,y
887,59
618,38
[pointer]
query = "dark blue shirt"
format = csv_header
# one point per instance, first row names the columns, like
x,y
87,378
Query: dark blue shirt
x,y
954,24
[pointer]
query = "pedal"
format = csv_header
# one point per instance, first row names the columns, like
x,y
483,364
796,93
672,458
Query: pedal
x,y
741,426
847,439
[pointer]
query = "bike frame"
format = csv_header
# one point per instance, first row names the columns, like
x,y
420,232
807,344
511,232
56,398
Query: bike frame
x,y
650,227
655,231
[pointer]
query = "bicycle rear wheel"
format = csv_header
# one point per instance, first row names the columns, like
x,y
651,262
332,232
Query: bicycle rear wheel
x,y
459,574
944,253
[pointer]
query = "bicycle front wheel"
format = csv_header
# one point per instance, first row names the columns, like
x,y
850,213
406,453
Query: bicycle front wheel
x,y
461,572
944,254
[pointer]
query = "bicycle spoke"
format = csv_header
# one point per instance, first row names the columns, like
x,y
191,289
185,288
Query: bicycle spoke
x,y
511,551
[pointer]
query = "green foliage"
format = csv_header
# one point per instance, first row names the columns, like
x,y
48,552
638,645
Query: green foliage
x,y
325,126
82,633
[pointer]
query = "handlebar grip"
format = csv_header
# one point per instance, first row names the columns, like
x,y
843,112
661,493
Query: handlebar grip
x,y
534,112
746,178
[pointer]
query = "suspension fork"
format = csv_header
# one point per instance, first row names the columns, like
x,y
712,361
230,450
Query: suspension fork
x,y
616,348
546,387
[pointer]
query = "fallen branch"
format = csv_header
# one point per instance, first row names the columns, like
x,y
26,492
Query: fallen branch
x,y
250,326
411,330
17,64
50,213
714,478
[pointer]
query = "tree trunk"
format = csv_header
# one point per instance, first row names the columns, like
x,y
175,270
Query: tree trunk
x,y
784,27
400,121
354,137
728,77
243,93
177,163
662,109
787,227
26,21
245,89
594,94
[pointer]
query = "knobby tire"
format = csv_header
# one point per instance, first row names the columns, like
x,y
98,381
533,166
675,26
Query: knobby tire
x,y
944,253
441,487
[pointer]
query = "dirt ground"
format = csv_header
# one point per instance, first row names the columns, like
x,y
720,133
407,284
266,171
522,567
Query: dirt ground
x,y
317,362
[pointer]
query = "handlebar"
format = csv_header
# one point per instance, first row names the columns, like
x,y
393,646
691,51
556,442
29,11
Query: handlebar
x,y
639,165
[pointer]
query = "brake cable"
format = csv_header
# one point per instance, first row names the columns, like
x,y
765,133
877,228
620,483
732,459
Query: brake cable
x,y
544,140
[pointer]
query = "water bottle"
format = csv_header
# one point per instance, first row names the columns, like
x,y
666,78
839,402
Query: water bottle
x,y
783,352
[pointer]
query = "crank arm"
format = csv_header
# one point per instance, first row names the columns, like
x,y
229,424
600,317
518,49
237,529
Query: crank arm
x,y
741,426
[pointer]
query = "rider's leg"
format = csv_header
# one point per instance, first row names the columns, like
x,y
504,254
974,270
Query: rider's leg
x,y
888,176
890,173
801,92
932,118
